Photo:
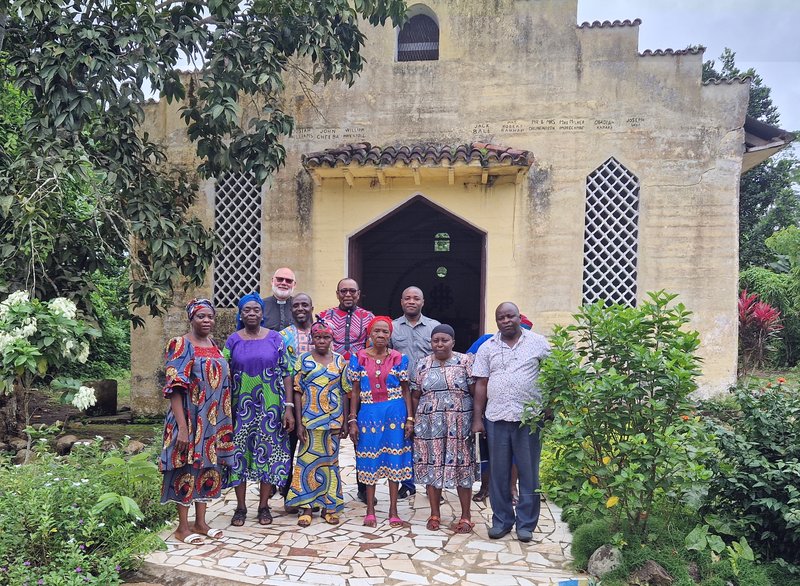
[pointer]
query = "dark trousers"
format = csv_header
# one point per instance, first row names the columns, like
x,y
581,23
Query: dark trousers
x,y
507,440
290,469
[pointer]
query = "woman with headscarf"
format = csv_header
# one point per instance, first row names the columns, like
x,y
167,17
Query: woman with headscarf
x,y
263,414
198,430
319,405
444,447
379,423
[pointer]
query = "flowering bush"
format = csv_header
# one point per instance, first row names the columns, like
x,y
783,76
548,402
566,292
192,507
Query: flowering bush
x,y
38,338
756,482
626,438
55,528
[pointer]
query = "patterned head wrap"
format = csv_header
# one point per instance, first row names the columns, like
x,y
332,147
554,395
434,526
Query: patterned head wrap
x,y
321,326
196,305
378,318
525,322
245,299
444,329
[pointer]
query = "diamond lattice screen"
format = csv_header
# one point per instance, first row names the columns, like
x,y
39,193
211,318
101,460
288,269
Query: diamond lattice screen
x,y
237,221
611,237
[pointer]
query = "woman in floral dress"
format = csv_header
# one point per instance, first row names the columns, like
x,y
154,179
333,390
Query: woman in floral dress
x,y
198,430
263,417
444,447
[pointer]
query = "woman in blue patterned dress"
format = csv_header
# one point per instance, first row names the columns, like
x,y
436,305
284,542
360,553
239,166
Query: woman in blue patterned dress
x,y
379,421
263,417
319,412
198,430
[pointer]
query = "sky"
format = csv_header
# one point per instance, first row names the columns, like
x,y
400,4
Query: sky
x,y
764,34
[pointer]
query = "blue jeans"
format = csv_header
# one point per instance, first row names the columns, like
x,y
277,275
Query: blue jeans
x,y
509,439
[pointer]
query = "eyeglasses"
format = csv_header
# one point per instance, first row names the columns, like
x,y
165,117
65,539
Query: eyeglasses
x,y
284,280
346,291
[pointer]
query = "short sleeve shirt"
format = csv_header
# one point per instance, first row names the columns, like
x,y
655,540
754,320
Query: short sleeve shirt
x,y
513,374
413,341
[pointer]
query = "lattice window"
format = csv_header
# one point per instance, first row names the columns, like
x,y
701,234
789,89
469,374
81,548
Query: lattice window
x,y
611,236
418,39
237,221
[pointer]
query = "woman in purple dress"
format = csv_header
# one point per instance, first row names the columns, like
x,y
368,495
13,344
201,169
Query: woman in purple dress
x,y
263,416
198,430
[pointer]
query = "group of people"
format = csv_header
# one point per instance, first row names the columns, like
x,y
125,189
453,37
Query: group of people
x,y
273,404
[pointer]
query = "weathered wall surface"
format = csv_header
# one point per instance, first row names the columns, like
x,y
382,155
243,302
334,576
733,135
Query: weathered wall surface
x,y
519,74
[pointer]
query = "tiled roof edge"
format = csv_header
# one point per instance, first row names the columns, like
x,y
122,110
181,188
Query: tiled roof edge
x,y
658,52
610,24
366,154
728,80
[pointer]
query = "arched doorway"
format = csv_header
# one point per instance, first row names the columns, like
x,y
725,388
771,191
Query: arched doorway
x,y
422,244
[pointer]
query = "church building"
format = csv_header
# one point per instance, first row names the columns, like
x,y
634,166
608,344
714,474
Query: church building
x,y
492,151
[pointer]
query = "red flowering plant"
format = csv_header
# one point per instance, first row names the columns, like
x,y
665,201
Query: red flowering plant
x,y
759,329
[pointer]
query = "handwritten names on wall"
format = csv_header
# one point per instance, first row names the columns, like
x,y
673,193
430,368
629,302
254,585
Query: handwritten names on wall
x,y
350,134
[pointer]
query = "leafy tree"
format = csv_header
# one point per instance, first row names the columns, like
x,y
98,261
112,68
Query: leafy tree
x,y
84,188
768,201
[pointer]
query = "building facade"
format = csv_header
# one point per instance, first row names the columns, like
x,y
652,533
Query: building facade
x,y
491,151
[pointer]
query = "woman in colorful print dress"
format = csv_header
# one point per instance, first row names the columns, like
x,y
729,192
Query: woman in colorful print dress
x,y
379,421
263,417
198,430
319,400
444,447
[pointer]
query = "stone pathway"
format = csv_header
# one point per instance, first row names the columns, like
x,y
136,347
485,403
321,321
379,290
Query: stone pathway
x,y
353,555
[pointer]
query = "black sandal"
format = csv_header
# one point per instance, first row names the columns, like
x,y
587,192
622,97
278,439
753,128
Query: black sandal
x,y
481,494
239,516
264,516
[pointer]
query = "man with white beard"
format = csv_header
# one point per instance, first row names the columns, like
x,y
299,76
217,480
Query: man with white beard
x,y
278,313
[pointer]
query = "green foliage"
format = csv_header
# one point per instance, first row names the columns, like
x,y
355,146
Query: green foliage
x,y
767,200
86,189
618,382
756,481
51,526
587,538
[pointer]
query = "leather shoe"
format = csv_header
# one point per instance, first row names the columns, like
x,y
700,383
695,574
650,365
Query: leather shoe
x,y
498,532
406,491
524,535
362,496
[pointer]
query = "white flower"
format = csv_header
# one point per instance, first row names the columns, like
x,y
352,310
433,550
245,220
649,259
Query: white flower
x,y
27,330
84,398
6,340
63,306
68,346
83,355
17,297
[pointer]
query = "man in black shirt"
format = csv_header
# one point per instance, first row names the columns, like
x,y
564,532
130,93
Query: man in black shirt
x,y
278,313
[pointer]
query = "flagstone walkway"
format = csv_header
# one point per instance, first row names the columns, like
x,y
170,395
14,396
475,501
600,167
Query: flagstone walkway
x,y
353,555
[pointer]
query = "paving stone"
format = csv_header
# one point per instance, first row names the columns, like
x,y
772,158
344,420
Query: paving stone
x,y
353,555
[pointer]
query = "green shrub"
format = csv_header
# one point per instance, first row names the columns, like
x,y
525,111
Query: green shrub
x,y
588,538
756,482
618,383
52,530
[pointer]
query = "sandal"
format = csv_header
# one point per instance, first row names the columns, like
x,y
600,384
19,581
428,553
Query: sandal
x,y
463,526
481,495
370,521
239,516
264,516
331,518
396,522
433,523
304,520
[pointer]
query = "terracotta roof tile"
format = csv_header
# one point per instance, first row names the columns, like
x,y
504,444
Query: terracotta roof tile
x,y
610,24
425,154
659,52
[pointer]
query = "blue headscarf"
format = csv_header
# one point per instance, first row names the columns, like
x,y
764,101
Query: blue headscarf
x,y
245,299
